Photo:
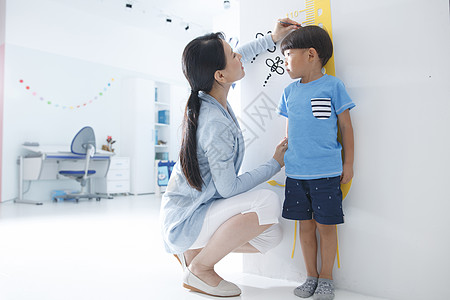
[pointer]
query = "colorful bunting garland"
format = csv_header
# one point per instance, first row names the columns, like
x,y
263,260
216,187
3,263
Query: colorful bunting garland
x,y
57,105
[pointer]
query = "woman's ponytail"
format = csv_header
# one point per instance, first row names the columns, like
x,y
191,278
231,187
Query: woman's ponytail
x,y
202,57
188,152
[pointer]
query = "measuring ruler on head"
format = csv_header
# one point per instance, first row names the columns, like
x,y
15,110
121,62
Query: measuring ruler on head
x,y
316,12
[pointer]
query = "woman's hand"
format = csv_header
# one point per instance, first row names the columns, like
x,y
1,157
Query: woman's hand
x,y
282,28
280,150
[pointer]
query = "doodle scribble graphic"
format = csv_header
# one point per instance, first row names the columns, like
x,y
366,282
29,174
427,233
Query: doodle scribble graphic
x,y
259,34
275,67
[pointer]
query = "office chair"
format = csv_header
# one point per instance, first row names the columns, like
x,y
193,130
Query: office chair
x,y
82,144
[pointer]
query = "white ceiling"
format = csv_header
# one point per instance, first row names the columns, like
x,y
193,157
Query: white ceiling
x,y
197,11
199,14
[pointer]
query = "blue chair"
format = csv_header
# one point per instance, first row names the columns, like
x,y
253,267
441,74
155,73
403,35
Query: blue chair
x,y
83,144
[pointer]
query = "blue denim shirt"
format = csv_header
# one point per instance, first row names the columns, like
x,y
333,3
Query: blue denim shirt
x,y
220,151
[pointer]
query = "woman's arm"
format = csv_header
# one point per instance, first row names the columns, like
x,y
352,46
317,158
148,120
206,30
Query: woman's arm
x,y
219,145
229,184
253,48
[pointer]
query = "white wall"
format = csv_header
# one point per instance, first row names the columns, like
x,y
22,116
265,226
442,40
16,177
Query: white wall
x,y
2,21
2,77
393,58
68,55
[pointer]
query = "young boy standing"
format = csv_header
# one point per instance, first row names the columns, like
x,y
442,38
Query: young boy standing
x,y
313,106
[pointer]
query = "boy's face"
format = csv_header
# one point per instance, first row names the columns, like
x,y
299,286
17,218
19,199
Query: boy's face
x,y
297,62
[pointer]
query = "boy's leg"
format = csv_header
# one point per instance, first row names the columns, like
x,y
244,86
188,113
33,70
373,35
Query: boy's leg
x,y
328,246
308,241
326,198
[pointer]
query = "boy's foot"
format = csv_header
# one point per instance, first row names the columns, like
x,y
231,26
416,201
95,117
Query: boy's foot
x,y
324,290
306,289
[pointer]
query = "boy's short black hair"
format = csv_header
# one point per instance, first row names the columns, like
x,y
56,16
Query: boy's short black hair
x,y
310,37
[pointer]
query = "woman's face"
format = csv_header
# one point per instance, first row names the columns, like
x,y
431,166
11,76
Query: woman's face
x,y
234,70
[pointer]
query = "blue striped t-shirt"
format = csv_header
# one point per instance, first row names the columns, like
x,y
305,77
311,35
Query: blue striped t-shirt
x,y
312,109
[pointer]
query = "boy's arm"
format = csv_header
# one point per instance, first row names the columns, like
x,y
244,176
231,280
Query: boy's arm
x,y
287,127
345,125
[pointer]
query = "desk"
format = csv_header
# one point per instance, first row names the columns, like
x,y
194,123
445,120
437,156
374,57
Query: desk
x,y
45,162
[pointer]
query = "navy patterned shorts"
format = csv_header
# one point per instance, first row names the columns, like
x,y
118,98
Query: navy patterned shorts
x,y
320,199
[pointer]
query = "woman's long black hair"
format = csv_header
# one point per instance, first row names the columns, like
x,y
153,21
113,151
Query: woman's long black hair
x,y
202,57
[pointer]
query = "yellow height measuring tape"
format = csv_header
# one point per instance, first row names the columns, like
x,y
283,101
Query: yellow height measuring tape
x,y
318,12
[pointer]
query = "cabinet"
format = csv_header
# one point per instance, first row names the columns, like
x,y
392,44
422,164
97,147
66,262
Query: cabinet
x,y
117,180
162,120
151,114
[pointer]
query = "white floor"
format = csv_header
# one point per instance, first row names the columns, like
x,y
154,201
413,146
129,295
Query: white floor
x,y
105,250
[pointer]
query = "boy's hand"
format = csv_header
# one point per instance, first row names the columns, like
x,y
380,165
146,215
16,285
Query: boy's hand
x,y
347,173
282,28
280,150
